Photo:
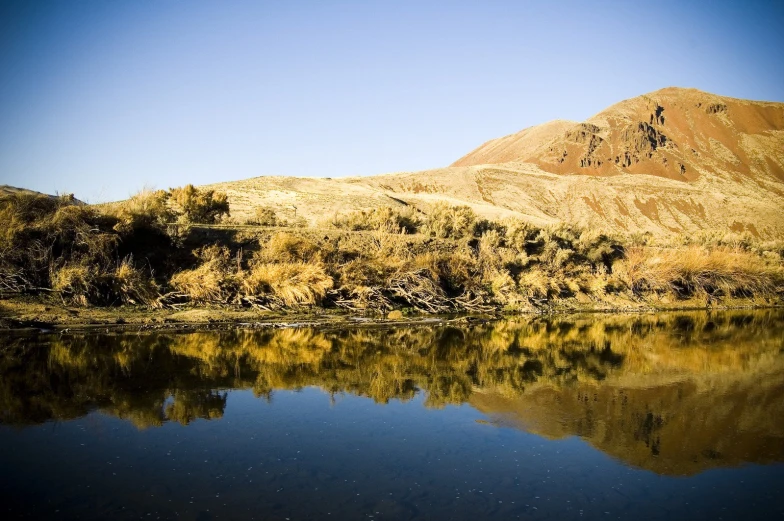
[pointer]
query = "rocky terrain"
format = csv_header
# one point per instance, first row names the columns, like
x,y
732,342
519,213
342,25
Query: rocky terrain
x,y
674,160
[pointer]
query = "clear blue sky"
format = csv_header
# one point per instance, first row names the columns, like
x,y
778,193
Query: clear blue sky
x,y
102,97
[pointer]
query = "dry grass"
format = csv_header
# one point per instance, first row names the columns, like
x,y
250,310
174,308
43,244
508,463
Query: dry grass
x,y
292,283
213,280
132,286
288,247
694,269
385,219
146,209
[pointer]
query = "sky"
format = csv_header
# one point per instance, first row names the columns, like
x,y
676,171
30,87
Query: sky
x,y
103,97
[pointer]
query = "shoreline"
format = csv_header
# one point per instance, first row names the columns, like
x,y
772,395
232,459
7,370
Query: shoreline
x,y
31,316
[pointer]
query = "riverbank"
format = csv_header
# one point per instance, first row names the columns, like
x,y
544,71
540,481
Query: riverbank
x,y
30,313
64,264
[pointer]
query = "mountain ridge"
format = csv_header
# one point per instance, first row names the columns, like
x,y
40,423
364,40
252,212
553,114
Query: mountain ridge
x,y
671,161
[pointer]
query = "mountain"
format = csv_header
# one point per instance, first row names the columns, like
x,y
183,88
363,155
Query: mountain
x,y
673,133
674,160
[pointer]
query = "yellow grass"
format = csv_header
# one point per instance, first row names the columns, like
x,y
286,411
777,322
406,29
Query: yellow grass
x,y
294,283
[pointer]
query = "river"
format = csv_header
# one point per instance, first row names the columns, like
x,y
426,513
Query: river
x,y
659,416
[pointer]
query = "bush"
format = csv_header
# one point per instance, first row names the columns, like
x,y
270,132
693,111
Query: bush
x,y
265,216
214,280
200,206
131,286
385,219
690,270
147,209
453,222
77,283
42,233
287,247
293,283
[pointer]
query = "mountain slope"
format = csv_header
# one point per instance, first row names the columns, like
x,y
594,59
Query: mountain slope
x,y
673,133
675,160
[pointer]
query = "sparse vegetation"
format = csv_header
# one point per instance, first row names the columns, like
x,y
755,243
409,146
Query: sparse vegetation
x,y
442,261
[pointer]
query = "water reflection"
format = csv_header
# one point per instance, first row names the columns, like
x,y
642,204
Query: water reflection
x,y
672,393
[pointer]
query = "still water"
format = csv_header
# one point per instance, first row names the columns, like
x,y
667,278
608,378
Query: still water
x,y
668,416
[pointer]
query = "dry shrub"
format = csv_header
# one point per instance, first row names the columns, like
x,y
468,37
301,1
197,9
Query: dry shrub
x,y
132,286
214,280
200,206
76,283
362,272
146,209
519,234
454,222
287,247
420,291
265,216
504,287
42,233
690,270
293,283
85,284
538,285
387,220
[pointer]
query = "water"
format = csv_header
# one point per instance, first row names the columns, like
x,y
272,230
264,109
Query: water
x,y
670,416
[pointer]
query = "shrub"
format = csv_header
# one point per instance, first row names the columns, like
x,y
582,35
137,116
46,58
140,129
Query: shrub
x,y
287,247
200,206
693,269
147,209
452,222
131,286
385,219
76,283
293,283
214,280
41,233
265,216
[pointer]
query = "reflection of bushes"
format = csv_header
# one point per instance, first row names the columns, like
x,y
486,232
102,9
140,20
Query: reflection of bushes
x,y
153,378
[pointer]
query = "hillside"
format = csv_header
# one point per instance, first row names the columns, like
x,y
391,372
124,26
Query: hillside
x,y
6,190
675,160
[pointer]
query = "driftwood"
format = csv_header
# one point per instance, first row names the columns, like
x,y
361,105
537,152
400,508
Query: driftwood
x,y
470,301
360,299
262,302
420,291
173,299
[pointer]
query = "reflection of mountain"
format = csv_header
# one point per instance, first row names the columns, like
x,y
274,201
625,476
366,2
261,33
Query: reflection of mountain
x,y
679,428
673,393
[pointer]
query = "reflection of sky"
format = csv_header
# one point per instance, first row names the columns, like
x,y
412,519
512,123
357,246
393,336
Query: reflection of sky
x,y
300,456
99,97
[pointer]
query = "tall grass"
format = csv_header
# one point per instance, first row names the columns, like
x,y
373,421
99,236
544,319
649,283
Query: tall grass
x,y
695,269
291,283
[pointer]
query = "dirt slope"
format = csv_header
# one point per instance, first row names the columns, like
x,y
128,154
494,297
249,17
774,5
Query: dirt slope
x,y
675,160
